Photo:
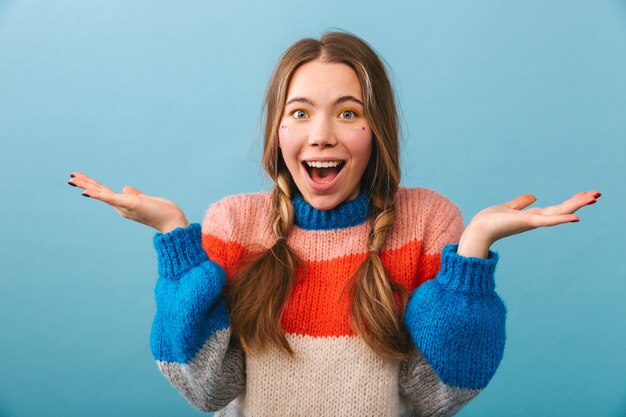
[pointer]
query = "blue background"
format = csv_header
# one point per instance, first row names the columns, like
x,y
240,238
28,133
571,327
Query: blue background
x,y
498,99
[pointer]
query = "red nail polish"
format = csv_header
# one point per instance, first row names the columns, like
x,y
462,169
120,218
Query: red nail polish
x,y
593,202
574,221
596,195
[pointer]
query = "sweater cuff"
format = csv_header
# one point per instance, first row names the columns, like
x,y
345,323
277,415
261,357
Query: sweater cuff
x,y
467,275
179,251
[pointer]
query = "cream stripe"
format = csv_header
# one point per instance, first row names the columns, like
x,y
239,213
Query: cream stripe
x,y
335,376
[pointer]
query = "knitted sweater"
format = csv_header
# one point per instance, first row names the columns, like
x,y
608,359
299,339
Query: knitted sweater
x,y
455,319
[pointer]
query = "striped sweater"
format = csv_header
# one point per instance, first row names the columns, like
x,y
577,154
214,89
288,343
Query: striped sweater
x,y
455,319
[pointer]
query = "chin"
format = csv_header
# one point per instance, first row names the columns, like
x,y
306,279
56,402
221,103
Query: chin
x,y
325,202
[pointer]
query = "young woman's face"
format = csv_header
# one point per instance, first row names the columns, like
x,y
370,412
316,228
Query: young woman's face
x,y
324,137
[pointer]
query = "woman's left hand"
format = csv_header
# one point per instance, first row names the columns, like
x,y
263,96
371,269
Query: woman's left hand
x,y
497,222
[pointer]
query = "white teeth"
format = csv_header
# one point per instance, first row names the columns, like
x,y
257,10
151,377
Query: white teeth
x,y
325,164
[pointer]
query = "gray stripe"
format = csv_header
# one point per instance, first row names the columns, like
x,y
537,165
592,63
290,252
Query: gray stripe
x,y
214,377
426,393
232,410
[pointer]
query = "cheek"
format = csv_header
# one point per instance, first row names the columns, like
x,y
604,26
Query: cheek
x,y
284,137
292,131
288,141
358,140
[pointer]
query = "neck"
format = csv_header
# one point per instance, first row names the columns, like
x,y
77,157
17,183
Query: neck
x,y
349,213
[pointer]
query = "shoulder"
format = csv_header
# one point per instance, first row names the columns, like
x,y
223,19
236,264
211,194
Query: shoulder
x,y
240,205
229,216
421,214
424,201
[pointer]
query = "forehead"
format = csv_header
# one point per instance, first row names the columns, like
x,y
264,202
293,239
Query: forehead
x,y
324,80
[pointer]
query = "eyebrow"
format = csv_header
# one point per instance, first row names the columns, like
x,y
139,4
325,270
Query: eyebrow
x,y
339,100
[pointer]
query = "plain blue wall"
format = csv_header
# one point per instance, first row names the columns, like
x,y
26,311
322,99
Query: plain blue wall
x,y
497,99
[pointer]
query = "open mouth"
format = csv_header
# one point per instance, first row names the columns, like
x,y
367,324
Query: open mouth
x,y
323,172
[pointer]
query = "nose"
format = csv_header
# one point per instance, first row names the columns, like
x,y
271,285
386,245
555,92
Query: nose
x,y
322,133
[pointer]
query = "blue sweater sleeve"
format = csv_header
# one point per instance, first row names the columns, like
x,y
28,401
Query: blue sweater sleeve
x,y
189,306
457,321
191,339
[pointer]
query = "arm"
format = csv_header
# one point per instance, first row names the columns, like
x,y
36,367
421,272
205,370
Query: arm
x,y
191,338
456,322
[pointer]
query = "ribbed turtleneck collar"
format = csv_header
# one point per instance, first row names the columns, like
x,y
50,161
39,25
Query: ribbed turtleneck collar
x,y
347,214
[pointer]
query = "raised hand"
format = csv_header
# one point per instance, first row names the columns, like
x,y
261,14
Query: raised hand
x,y
496,222
158,213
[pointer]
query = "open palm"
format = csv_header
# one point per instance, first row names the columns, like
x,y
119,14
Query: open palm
x,y
159,213
508,219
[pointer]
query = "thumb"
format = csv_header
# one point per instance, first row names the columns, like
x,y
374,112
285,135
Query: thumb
x,y
131,190
522,201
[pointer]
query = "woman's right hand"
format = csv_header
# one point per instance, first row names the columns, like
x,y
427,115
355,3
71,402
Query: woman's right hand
x,y
159,213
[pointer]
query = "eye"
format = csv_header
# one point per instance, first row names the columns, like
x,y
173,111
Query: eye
x,y
347,114
299,114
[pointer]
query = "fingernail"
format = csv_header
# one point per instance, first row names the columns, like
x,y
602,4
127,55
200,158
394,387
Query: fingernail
x,y
73,185
574,221
596,195
72,175
85,195
593,202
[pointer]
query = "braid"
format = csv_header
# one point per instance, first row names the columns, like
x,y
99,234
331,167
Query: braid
x,y
384,215
375,314
282,220
262,285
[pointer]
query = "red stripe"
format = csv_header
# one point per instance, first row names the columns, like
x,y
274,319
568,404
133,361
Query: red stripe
x,y
316,306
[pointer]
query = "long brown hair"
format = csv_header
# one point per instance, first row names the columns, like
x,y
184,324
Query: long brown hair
x,y
261,286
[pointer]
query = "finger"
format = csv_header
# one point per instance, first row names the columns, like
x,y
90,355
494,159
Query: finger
x,y
120,201
520,202
81,182
92,185
574,203
85,183
548,211
547,221
577,201
131,190
81,176
593,193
